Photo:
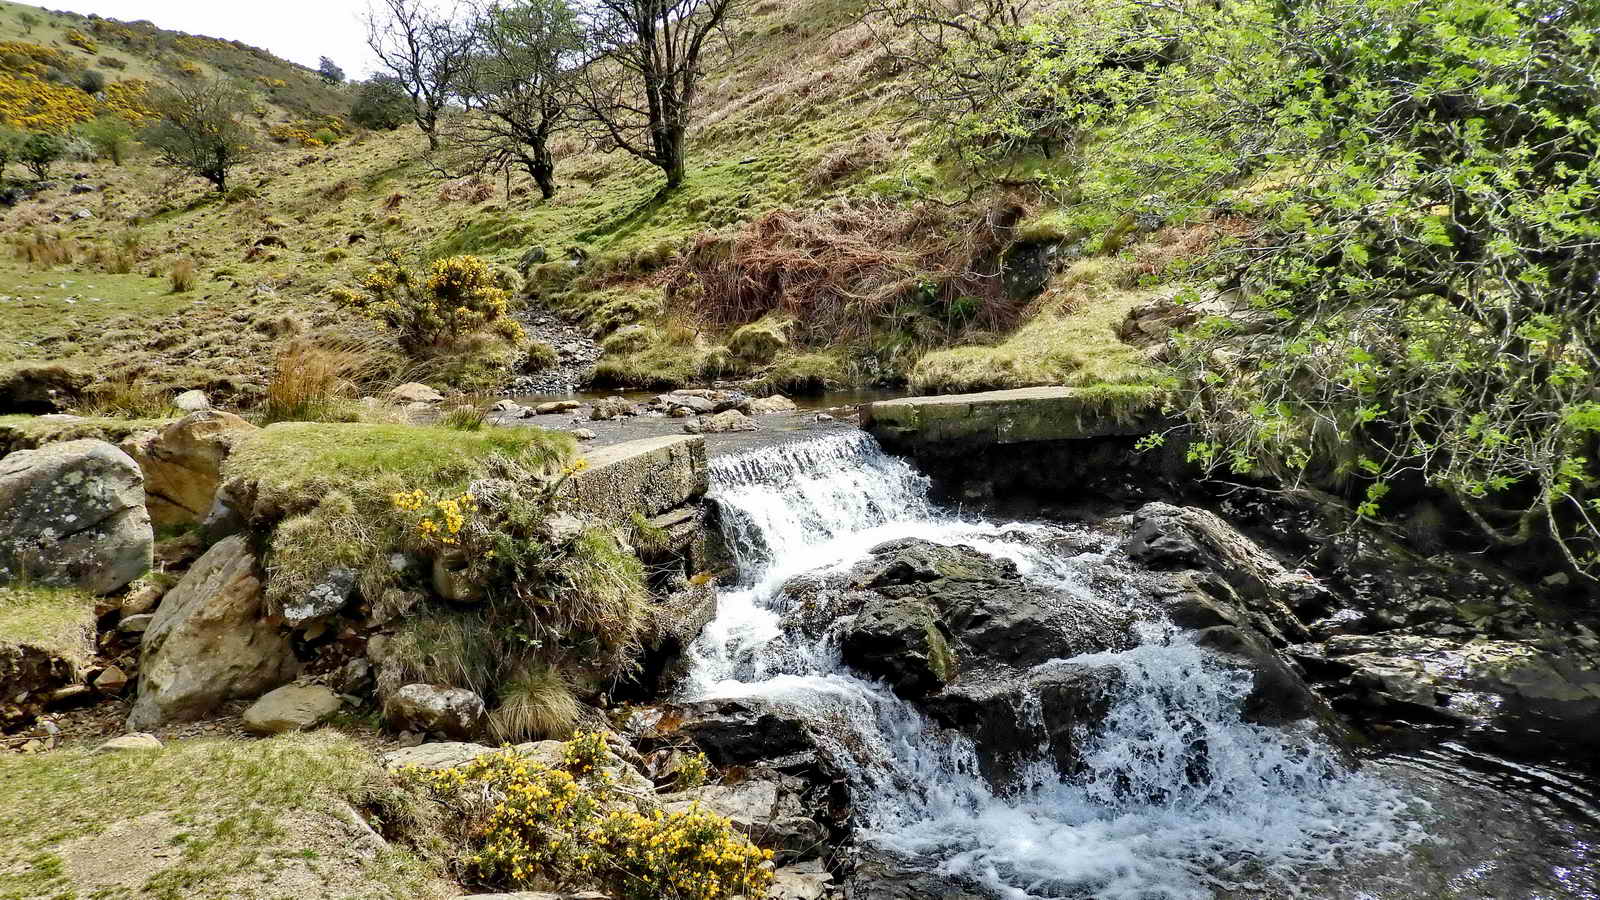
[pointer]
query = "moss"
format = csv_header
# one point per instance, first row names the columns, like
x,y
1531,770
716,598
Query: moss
x,y
630,340
219,818
1073,343
59,621
759,342
20,432
662,367
803,374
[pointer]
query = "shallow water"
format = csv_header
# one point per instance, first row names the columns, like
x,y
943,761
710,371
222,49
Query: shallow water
x,y
1267,813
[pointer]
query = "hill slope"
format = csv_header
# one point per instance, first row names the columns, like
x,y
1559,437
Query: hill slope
x,y
804,204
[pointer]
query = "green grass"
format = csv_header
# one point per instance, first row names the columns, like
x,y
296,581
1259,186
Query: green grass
x,y
200,818
39,322
23,432
57,620
305,460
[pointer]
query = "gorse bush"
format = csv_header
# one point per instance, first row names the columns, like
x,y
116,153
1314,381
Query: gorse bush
x,y
529,824
457,297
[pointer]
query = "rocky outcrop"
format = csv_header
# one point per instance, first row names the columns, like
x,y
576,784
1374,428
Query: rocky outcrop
x,y
182,463
766,808
1519,696
1272,598
73,514
902,641
208,642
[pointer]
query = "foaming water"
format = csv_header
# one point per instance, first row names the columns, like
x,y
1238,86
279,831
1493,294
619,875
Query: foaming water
x,y
1178,797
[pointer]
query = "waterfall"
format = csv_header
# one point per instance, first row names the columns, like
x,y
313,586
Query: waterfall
x,y
1180,798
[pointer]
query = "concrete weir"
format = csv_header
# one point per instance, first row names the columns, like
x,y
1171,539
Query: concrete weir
x,y
649,476
959,422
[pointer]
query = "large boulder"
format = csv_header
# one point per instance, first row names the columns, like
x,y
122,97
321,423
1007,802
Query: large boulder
x,y
1168,537
182,463
73,514
208,642
904,643
729,732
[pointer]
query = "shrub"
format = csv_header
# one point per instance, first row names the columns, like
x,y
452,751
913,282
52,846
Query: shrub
x,y
458,297
39,152
182,276
91,81
381,104
539,357
533,825
82,41
109,136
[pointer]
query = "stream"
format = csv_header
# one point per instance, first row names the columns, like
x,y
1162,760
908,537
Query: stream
x,y
1256,812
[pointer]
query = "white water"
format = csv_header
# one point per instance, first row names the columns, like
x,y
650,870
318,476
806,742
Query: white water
x,y
1150,818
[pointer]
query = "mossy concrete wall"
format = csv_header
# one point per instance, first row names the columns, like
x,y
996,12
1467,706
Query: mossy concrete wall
x,y
647,476
955,423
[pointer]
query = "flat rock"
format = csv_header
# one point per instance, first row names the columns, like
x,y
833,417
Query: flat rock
x,y
130,742
293,707
412,392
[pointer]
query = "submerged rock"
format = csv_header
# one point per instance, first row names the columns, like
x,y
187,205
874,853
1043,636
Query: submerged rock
x,y
73,515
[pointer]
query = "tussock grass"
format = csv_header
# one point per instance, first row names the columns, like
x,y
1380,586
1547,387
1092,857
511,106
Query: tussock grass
x,y
127,397
465,417
46,249
316,380
182,277
207,818
535,704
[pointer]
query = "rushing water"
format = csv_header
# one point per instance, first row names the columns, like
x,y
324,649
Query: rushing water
x,y
1267,807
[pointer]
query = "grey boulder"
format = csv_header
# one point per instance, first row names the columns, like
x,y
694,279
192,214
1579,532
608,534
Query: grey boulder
x,y
73,515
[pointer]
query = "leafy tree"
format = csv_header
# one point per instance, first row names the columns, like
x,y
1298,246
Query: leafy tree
x,y
519,87
1414,305
425,52
10,146
201,130
643,68
330,71
381,104
39,151
109,135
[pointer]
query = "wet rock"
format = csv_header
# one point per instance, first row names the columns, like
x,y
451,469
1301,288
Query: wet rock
x,y
209,643
881,875
182,463
612,408
1514,695
729,421
556,406
766,808
729,732
901,642
689,402
293,707
452,712
73,514
412,392
1278,695
508,409
678,621
1174,537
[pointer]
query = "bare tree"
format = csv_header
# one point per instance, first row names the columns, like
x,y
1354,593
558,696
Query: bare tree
x,y
644,65
518,91
426,52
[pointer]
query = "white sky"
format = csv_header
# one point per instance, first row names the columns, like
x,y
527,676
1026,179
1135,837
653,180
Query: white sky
x,y
297,30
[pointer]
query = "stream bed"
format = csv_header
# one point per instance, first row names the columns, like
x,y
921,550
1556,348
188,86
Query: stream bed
x,y
1176,795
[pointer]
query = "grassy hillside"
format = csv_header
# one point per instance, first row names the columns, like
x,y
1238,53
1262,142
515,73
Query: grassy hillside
x,y
806,206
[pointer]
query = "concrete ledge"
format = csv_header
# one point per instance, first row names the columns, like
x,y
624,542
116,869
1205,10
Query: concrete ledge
x,y
648,476
962,421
